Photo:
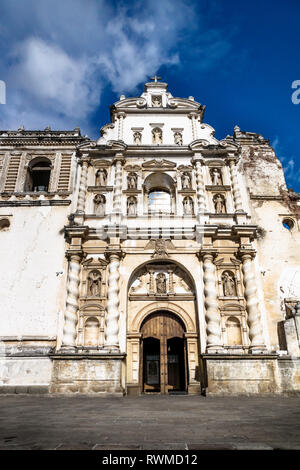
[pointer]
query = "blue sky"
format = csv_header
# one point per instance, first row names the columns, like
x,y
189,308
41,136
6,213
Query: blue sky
x,y
64,63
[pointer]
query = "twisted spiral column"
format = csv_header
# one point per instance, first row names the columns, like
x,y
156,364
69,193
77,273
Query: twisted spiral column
x,y
235,187
82,188
199,188
70,316
213,326
112,316
254,321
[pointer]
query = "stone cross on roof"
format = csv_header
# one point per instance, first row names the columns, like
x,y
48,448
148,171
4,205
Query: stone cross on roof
x,y
155,78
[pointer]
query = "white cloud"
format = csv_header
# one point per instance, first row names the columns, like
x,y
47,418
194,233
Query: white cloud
x,y
53,78
62,55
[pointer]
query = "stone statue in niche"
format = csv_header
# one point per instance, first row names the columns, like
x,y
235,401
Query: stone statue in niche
x,y
186,181
99,201
137,138
228,283
157,136
219,204
216,177
94,283
131,205
161,283
101,177
132,181
187,206
156,101
178,138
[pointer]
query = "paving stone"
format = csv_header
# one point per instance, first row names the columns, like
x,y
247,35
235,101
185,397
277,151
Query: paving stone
x,y
47,422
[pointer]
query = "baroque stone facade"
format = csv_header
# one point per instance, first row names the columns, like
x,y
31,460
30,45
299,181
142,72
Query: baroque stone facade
x,y
156,259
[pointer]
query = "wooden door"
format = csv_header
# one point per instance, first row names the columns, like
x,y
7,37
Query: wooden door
x,y
163,332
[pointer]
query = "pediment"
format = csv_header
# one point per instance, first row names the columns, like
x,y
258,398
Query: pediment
x,y
95,263
159,164
132,168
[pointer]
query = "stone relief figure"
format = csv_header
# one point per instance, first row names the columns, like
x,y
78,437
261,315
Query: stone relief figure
x,y
101,177
228,283
161,283
178,138
132,181
131,205
156,101
137,138
94,283
157,136
187,206
186,181
219,204
216,177
99,201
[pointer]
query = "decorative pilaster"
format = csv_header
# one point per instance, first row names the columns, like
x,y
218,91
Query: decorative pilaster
x,y
235,186
151,281
111,341
82,187
171,282
193,118
117,196
213,320
121,116
200,190
71,315
254,321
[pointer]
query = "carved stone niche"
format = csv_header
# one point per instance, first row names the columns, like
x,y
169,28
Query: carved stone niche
x,y
162,279
229,279
90,334
93,283
219,203
216,176
234,327
101,177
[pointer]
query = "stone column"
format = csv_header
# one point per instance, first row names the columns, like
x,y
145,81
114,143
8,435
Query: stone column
x,y
254,321
82,187
213,320
111,341
71,312
200,188
235,186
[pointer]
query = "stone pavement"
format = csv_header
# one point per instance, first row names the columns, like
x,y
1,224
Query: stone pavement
x,y
149,422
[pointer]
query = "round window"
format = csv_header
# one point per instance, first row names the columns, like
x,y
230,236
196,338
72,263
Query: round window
x,y
288,224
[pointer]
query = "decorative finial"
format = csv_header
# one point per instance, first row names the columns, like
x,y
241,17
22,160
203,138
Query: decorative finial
x,y
155,78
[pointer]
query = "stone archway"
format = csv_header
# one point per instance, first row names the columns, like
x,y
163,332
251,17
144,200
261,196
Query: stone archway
x,y
162,287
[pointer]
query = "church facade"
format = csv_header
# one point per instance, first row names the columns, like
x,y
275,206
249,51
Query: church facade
x,y
156,259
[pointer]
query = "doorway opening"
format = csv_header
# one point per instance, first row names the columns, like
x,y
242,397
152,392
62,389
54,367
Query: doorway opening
x,y
164,366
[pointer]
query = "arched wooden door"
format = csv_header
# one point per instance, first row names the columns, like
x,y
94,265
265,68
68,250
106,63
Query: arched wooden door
x,y
164,368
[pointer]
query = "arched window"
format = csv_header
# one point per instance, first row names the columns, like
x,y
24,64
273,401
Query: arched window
x,y
159,200
38,175
160,193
